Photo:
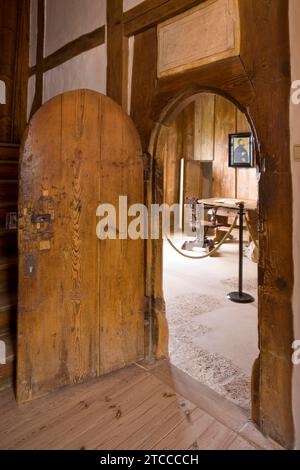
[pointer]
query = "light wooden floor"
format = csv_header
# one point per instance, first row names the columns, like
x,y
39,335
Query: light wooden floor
x,y
139,407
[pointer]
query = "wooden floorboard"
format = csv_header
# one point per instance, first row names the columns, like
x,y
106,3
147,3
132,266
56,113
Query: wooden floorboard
x,y
205,398
140,407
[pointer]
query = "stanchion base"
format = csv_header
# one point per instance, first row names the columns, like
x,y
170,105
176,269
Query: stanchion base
x,y
242,298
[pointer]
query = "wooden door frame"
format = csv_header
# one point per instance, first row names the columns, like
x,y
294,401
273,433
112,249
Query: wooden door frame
x,y
156,195
258,80
159,327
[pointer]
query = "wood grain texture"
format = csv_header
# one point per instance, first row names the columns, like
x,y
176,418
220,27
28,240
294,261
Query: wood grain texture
x,y
78,317
204,134
14,32
19,110
172,154
188,130
272,82
117,54
259,82
223,177
151,12
216,22
138,407
8,31
247,187
9,156
38,96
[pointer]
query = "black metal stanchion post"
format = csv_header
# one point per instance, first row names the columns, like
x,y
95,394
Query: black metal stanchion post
x,y
240,296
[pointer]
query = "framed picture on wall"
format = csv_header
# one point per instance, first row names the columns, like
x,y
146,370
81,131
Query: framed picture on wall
x,y
241,150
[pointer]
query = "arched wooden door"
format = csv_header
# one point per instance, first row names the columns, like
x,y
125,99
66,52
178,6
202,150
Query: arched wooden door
x,y
80,298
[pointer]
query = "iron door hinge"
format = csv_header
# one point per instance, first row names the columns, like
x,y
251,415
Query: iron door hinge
x,y
147,160
261,276
261,226
261,162
147,307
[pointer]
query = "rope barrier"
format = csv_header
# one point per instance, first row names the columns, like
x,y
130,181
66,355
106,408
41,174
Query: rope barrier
x,y
249,228
212,251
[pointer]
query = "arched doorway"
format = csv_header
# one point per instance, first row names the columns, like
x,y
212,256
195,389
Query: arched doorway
x,y
155,248
259,82
210,338
158,333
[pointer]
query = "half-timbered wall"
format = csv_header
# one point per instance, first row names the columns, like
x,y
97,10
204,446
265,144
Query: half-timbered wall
x,y
128,4
78,65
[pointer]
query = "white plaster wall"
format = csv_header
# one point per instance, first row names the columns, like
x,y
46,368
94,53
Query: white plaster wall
x,y
87,70
130,70
128,4
66,20
33,32
2,92
30,95
294,14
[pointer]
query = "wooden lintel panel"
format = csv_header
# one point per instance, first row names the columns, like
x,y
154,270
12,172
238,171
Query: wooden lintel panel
x,y
150,13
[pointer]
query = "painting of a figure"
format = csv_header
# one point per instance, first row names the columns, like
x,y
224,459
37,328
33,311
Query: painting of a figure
x,y
240,150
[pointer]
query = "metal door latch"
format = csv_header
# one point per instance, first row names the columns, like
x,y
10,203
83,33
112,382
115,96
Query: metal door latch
x,y
40,218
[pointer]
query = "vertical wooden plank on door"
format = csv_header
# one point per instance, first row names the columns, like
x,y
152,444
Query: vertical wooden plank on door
x,y
121,270
80,151
39,310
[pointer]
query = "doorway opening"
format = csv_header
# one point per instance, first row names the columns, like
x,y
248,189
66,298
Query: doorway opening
x,y
211,338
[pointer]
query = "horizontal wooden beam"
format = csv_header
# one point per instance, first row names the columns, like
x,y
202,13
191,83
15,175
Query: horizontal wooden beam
x,y
72,49
151,12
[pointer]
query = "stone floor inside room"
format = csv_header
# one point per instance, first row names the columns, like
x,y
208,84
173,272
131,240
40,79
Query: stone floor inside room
x,y
212,339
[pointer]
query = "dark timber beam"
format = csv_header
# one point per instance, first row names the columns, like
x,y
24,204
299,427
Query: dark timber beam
x,y
117,54
19,111
151,12
38,97
72,49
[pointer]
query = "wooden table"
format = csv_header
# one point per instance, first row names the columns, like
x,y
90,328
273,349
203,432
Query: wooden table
x,y
226,207
229,203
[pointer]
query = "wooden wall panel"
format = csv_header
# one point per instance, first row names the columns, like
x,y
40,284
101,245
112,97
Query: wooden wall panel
x,y
192,185
188,125
203,130
204,127
247,187
205,34
192,179
172,153
225,123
